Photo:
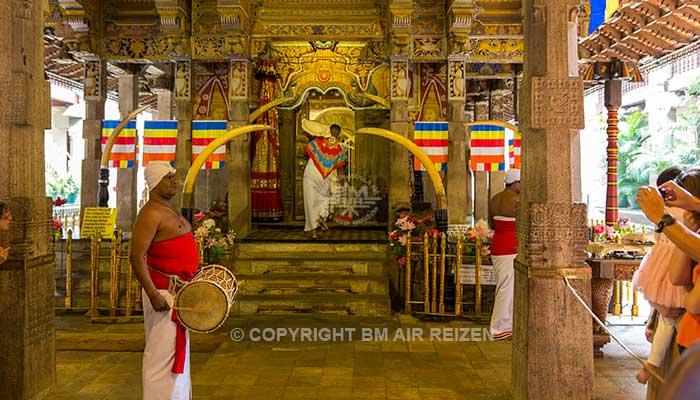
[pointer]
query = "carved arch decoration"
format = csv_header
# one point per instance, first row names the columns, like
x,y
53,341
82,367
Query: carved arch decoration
x,y
322,66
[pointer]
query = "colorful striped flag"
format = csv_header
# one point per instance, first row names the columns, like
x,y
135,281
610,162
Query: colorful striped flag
x,y
203,133
159,140
514,150
487,148
601,11
431,137
124,150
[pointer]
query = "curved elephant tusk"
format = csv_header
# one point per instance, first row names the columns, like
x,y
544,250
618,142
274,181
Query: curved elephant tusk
x,y
380,100
502,124
267,106
418,153
104,162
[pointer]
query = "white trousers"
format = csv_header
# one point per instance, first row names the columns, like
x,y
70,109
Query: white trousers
x,y
159,383
502,317
662,340
317,196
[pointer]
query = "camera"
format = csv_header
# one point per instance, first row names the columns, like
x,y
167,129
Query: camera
x,y
663,192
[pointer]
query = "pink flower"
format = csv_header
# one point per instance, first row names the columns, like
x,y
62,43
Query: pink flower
x,y
402,240
400,221
471,234
407,226
198,217
401,261
485,250
623,223
598,229
394,235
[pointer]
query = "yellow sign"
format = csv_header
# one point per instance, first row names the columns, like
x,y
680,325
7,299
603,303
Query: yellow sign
x,y
98,219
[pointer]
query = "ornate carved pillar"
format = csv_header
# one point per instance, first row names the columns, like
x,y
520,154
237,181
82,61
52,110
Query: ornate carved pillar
x,y
27,284
552,343
95,79
127,195
458,197
613,99
239,203
399,168
183,114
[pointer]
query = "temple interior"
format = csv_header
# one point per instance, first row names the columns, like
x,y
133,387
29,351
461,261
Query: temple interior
x,y
338,163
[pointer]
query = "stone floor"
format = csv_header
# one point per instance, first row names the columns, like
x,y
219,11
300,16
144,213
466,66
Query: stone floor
x,y
360,369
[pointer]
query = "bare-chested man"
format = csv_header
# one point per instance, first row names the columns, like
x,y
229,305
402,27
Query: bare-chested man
x,y
163,249
502,210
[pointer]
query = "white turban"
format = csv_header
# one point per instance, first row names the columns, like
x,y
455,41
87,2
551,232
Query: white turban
x,y
513,175
155,171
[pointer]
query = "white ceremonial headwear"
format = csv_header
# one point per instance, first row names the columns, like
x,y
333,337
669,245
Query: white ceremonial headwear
x,y
155,171
513,175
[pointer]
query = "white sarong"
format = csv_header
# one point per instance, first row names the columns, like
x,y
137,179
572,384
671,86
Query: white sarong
x,y
317,196
159,383
502,317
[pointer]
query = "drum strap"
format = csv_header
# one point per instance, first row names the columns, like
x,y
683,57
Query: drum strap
x,y
175,282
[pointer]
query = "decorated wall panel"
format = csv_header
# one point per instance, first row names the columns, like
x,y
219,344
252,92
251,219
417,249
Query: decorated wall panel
x,y
211,91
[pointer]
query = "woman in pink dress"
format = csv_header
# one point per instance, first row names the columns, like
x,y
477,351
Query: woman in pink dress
x,y
652,277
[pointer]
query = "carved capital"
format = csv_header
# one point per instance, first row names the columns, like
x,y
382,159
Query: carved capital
x,y
174,15
94,80
557,103
400,16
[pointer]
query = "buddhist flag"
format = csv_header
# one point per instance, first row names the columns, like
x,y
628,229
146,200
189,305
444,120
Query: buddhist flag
x,y
431,137
487,148
123,153
514,146
159,140
601,11
203,133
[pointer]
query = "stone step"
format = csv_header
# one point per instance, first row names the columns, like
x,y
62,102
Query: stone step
x,y
299,283
312,251
344,304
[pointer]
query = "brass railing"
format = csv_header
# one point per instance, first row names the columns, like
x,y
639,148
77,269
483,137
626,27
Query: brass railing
x,y
118,252
436,258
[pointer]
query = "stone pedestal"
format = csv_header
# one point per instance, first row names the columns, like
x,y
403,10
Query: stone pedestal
x,y
127,195
552,344
27,348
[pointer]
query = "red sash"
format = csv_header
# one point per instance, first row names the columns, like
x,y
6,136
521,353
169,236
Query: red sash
x,y
177,256
504,242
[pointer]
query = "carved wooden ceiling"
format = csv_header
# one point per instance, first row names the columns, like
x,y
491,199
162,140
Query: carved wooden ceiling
x,y
642,29
60,63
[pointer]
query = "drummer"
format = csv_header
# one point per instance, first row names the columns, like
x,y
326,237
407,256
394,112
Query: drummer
x,y
163,249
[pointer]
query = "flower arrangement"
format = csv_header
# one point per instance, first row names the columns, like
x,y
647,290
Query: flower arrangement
x,y
609,233
57,227
215,241
480,231
405,224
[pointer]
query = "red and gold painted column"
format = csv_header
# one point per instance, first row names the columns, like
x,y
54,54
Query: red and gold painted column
x,y
611,200
613,99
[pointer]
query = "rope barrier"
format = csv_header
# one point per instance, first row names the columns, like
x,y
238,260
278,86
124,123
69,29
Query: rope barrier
x,y
612,335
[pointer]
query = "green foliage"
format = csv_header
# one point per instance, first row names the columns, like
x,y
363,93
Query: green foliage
x,y
630,141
